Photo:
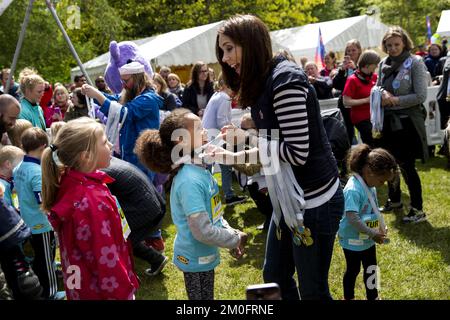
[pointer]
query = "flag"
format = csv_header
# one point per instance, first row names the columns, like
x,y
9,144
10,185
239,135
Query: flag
x,y
428,30
320,52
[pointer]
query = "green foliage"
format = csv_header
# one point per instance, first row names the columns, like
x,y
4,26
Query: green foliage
x,y
44,47
104,20
411,15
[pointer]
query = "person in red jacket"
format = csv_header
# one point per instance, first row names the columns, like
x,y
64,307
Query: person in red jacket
x,y
90,224
356,95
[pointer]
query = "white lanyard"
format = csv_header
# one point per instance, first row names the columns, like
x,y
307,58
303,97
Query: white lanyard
x,y
372,202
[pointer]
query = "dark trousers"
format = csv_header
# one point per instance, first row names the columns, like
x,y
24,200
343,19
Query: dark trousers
x,y
406,147
348,122
146,253
368,258
199,285
262,202
365,130
44,247
412,179
444,110
13,262
312,263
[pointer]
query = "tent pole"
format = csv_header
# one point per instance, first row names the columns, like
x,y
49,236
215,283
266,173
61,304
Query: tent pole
x,y
19,45
69,43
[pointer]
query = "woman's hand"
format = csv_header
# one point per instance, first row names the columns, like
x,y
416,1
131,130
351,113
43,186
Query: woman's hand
x,y
232,133
222,156
386,99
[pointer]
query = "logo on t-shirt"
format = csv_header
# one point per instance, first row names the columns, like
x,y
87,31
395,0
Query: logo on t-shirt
x,y
182,259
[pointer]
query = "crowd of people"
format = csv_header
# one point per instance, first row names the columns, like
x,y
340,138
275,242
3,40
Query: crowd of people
x,y
87,171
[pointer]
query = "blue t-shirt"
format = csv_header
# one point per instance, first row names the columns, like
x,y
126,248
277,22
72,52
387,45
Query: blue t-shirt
x,y
194,190
356,200
28,184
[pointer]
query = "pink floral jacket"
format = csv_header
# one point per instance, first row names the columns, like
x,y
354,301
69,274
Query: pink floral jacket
x,y
95,257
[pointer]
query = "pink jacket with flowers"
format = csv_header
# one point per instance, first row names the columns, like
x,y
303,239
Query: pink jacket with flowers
x,y
87,221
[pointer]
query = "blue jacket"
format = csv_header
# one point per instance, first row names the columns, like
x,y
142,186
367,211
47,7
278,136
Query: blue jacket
x,y
143,113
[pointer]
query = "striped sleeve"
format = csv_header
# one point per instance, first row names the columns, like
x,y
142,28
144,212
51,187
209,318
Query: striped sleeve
x,y
290,108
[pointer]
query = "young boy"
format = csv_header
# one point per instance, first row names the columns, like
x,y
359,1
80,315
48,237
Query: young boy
x,y
10,157
28,183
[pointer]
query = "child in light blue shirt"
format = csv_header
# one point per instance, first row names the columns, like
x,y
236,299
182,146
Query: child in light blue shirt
x,y
10,157
28,183
362,224
195,202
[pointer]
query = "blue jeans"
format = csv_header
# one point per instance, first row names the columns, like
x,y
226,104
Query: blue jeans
x,y
312,263
227,179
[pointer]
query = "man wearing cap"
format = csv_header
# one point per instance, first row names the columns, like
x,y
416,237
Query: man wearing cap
x,y
134,110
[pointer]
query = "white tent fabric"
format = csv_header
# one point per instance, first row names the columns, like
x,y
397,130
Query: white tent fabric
x,y
302,41
444,24
4,4
181,47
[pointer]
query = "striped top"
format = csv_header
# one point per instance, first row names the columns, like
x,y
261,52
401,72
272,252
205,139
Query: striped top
x,y
290,108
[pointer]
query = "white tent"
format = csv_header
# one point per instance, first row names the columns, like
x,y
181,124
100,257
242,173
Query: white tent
x,y
175,48
444,24
302,41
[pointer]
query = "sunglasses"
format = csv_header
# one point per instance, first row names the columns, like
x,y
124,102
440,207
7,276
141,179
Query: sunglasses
x,y
125,81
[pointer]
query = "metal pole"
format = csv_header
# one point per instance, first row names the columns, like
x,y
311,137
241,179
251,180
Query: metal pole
x,y
69,43
19,45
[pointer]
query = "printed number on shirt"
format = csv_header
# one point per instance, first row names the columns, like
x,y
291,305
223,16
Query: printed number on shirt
x,y
216,208
372,224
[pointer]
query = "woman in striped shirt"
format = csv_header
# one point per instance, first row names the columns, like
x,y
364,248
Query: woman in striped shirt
x,y
281,98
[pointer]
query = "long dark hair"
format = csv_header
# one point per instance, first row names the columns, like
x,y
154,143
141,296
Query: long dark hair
x,y
195,73
252,35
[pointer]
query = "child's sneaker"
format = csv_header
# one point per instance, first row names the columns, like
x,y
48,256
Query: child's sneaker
x,y
389,206
415,216
156,269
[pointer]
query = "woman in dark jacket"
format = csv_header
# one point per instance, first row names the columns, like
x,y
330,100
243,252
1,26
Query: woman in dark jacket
x,y
403,78
282,101
199,89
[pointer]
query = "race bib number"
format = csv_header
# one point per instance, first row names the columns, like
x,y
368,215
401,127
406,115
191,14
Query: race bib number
x,y
15,200
372,224
216,208
125,227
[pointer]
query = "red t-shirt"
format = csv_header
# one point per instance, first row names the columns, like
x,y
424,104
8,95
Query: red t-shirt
x,y
356,89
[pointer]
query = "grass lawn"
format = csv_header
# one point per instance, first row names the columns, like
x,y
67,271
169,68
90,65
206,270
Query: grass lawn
x,y
415,265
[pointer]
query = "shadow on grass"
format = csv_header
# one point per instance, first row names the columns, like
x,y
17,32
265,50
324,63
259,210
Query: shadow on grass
x,y
151,287
423,234
256,243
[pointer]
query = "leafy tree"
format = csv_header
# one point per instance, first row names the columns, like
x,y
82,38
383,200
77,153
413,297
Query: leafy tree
x,y
44,47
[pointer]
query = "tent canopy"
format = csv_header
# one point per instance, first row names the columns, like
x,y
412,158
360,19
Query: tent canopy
x,y
175,48
302,41
444,24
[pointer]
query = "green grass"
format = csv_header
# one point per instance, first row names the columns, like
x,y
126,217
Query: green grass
x,y
415,265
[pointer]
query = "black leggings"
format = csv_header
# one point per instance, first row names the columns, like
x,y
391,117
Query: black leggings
x,y
199,285
369,261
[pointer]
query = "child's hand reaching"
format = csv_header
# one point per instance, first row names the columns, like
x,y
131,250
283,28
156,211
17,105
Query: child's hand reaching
x,y
238,252
379,237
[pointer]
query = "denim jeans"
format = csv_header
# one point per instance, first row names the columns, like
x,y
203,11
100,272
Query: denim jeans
x,y
312,263
227,179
